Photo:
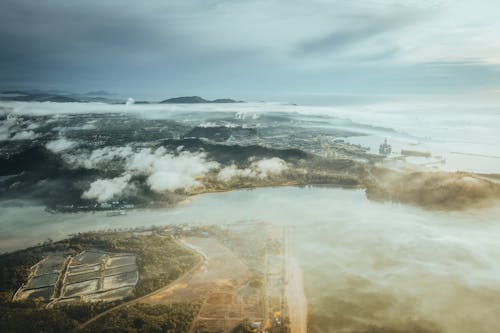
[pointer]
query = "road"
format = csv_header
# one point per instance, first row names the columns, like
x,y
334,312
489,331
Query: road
x,y
294,290
184,277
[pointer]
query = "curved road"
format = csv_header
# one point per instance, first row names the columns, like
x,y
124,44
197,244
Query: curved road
x,y
184,276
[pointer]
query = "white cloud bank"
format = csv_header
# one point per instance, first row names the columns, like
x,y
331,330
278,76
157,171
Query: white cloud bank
x,y
164,171
100,158
263,168
24,135
16,128
60,145
104,190
168,172
270,166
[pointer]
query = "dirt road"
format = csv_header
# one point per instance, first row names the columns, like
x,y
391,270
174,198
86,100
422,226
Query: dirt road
x,y
294,290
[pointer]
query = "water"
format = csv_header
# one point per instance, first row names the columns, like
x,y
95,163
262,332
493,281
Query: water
x,y
365,264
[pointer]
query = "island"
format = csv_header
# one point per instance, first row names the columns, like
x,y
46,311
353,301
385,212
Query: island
x,y
197,100
96,96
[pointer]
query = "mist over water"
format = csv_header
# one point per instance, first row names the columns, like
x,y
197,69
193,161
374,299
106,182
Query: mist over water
x,y
368,267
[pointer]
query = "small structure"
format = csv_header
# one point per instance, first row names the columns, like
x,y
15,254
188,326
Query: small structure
x,y
385,148
416,153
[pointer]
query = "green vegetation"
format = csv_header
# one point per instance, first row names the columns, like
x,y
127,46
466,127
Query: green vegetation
x,y
256,281
32,316
160,260
243,327
173,318
15,267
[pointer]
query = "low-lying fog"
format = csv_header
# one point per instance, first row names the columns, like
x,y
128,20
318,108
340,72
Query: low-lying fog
x,y
368,267
460,134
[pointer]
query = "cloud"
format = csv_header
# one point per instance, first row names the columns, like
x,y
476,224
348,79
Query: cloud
x,y
60,145
263,168
104,190
165,171
32,126
100,158
232,171
24,135
16,128
356,32
269,166
5,129
161,181
168,172
249,45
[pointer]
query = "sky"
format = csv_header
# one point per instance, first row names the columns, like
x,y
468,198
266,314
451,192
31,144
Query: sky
x,y
252,49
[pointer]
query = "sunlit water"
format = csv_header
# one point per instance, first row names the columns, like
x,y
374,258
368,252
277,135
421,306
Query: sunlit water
x,y
364,263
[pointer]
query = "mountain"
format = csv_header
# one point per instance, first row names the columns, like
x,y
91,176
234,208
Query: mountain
x,y
38,91
59,99
98,93
225,100
196,100
35,97
48,96
94,96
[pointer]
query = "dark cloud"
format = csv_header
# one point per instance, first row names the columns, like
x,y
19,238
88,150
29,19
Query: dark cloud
x,y
42,33
212,48
358,29
84,43
338,40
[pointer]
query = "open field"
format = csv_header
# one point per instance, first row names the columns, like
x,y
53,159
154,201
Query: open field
x,y
42,278
91,275
221,283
